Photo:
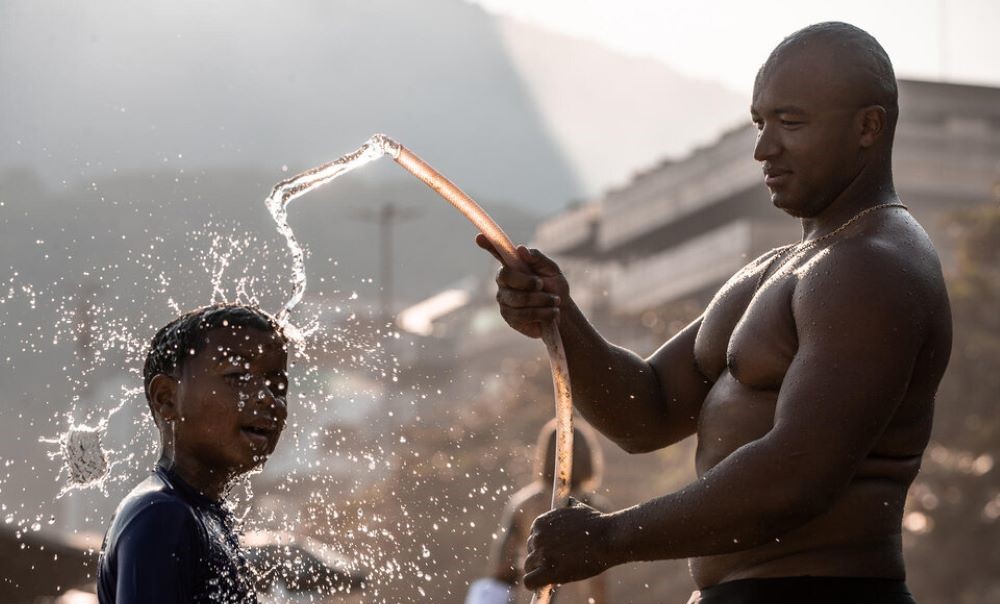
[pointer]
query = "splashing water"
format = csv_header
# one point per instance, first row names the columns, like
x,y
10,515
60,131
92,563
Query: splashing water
x,y
93,323
86,462
398,505
84,458
377,146
81,450
287,190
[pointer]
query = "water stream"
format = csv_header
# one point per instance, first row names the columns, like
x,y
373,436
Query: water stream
x,y
376,147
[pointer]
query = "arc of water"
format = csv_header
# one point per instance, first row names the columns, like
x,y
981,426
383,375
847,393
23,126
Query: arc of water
x,y
377,146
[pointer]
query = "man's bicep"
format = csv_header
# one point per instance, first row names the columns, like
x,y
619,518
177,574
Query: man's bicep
x,y
683,387
158,556
859,338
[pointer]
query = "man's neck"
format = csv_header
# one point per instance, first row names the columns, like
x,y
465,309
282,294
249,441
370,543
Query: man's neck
x,y
871,187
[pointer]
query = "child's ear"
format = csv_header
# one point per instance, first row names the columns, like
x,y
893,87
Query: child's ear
x,y
162,397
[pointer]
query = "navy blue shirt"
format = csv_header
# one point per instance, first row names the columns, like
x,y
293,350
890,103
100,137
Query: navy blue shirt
x,y
167,543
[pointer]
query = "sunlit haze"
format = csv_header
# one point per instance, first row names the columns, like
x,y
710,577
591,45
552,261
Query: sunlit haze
x,y
726,40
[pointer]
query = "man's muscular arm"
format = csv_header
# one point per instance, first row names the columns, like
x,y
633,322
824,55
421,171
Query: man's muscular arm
x,y
640,404
861,322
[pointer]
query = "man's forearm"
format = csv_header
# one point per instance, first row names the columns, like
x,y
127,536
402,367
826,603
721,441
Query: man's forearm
x,y
614,389
735,506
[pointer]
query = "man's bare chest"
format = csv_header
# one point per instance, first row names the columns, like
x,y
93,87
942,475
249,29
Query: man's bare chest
x,y
749,333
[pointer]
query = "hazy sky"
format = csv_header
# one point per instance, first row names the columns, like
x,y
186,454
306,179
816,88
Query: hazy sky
x,y
726,40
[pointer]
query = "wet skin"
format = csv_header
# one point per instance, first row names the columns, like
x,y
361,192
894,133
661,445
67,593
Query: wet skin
x,y
811,398
222,415
507,557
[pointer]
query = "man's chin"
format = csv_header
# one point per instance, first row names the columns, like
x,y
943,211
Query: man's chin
x,y
788,204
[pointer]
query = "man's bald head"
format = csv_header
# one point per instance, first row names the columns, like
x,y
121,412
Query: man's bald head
x,y
855,59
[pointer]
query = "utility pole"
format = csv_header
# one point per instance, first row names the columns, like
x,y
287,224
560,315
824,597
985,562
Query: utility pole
x,y
385,216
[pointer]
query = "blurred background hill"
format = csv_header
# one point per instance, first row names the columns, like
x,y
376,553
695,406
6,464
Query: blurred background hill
x,y
114,87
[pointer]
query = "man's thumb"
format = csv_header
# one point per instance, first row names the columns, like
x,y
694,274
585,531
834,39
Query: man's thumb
x,y
539,262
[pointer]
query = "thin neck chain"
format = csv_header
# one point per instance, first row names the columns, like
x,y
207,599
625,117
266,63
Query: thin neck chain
x,y
805,245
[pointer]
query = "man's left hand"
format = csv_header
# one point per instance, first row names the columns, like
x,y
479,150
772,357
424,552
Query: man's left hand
x,y
568,544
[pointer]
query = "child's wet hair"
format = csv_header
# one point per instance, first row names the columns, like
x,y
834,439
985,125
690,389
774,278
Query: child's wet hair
x,y
184,337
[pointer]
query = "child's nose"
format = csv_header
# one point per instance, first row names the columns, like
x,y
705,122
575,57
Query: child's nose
x,y
275,404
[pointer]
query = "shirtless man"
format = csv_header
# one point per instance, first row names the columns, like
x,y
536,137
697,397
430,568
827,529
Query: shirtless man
x,y
809,380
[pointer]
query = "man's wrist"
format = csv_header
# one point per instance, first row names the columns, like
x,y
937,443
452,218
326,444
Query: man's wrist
x,y
618,538
568,313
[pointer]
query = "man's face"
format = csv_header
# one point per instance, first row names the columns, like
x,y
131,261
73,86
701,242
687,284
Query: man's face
x,y
231,400
807,132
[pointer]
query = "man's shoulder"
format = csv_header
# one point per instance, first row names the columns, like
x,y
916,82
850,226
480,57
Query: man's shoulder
x,y
895,233
891,266
892,252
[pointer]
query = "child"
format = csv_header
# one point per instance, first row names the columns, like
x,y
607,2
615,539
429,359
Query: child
x,y
216,384
507,559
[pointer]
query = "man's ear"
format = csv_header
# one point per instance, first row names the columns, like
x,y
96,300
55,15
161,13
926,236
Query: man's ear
x,y
163,397
873,122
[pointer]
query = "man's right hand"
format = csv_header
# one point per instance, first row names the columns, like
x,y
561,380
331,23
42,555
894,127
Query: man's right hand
x,y
529,300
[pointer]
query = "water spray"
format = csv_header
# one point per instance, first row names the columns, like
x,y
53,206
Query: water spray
x,y
81,449
377,146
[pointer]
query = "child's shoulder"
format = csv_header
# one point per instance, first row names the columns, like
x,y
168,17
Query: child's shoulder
x,y
155,537
153,508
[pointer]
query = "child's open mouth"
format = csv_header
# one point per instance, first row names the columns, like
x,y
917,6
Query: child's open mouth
x,y
259,436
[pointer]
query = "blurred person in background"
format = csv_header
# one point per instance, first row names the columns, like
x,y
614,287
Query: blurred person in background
x,y
506,568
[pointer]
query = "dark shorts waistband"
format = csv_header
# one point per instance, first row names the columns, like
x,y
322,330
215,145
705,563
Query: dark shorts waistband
x,y
808,590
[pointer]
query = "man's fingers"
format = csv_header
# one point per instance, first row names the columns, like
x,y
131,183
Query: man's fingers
x,y
537,578
528,301
529,315
520,299
515,279
535,567
533,560
539,262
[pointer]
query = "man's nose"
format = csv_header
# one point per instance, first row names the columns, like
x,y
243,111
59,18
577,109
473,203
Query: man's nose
x,y
767,145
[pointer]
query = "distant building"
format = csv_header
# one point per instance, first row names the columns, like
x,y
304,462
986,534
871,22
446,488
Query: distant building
x,y
678,230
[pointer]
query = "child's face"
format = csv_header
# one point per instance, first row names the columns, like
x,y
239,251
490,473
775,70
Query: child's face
x,y
231,400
